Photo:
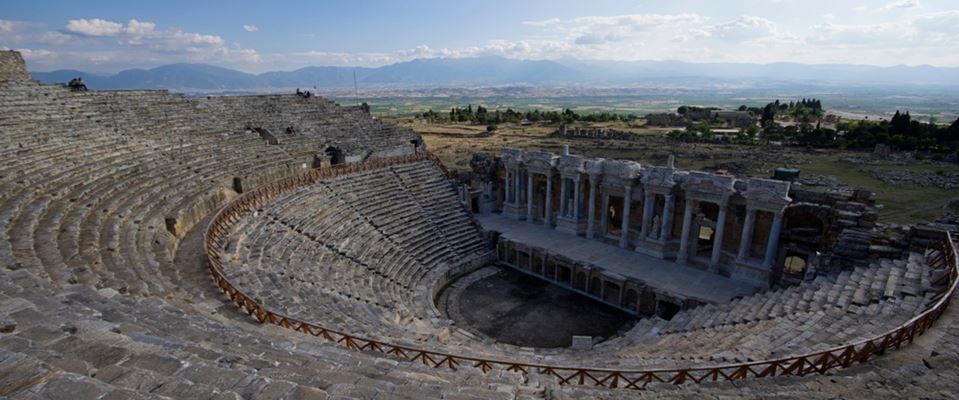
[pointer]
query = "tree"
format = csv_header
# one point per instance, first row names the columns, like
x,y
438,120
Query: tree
x,y
769,114
900,122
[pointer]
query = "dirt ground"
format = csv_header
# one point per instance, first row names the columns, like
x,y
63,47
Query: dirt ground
x,y
515,308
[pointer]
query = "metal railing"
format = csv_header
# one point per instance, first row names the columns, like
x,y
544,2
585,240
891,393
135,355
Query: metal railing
x,y
819,362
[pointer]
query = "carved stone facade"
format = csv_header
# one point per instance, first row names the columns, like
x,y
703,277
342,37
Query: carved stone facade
x,y
718,223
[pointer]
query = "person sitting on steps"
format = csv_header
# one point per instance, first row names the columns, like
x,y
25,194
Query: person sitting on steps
x,y
77,85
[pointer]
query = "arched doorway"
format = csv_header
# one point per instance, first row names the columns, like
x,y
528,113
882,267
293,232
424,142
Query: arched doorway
x,y
594,286
579,281
611,292
631,300
335,155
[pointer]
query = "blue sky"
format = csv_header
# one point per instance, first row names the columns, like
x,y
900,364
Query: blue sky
x,y
107,36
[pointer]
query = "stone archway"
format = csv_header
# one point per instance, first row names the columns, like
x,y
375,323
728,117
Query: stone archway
x,y
335,154
579,280
808,223
595,286
611,292
631,299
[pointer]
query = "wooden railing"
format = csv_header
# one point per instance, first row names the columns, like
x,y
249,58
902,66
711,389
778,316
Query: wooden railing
x,y
818,362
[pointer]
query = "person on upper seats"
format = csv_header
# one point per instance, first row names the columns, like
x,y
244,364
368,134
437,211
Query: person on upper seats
x,y
77,84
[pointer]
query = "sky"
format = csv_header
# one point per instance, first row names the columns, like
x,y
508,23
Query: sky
x,y
109,36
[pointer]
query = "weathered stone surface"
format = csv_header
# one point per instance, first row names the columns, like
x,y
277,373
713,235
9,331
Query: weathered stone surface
x,y
12,66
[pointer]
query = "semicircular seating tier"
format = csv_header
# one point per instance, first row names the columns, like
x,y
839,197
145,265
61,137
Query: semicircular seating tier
x,y
358,252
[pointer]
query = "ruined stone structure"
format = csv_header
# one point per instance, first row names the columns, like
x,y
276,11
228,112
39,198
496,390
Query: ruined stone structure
x,y
592,133
12,66
727,118
719,223
327,246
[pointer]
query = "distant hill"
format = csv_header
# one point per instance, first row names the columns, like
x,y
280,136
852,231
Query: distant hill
x,y
502,71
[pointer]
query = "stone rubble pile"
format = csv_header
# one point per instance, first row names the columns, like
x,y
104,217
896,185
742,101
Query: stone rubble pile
x,y
916,178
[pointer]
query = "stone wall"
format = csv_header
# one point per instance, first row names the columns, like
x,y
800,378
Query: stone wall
x,y
12,66
592,133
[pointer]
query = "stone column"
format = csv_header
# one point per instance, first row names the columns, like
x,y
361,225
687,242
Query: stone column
x,y
648,202
604,216
506,187
563,204
577,199
718,241
591,213
747,238
530,192
773,242
666,231
548,215
683,255
627,199
517,187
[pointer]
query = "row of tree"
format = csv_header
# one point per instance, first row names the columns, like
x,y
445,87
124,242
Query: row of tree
x,y
483,116
804,110
900,133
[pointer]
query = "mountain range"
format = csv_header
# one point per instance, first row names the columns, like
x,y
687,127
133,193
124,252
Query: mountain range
x,y
491,71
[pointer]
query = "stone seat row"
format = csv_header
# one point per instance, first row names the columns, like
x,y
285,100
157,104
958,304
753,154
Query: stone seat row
x,y
861,286
358,253
88,345
106,204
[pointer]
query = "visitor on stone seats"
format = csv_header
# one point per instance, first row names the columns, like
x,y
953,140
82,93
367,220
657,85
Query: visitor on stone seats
x,y
77,85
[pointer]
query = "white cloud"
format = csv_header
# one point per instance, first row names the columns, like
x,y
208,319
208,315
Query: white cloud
x,y
639,21
6,26
12,32
54,38
941,22
901,4
744,28
545,22
870,34
30,54
593,32
140,43
522,49
93,27
250,28
592,38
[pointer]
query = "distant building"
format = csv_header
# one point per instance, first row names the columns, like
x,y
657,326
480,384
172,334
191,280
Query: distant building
x,y
664,120
736,119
